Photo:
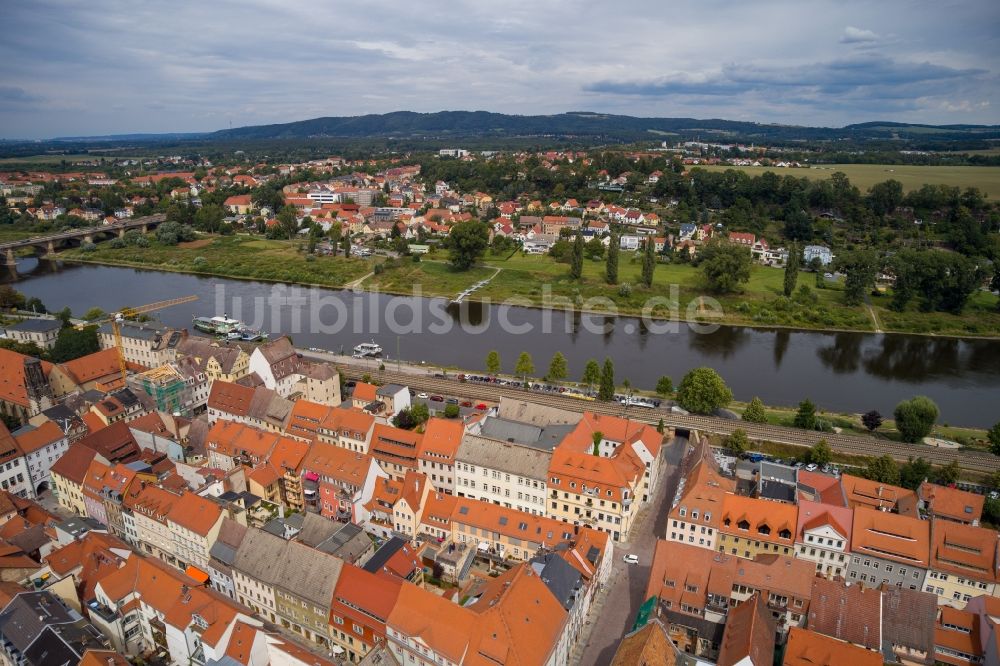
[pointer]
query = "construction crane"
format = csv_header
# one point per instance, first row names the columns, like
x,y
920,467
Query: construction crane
x,y
116,318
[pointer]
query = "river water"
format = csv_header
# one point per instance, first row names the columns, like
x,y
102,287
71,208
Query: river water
x,y
838,371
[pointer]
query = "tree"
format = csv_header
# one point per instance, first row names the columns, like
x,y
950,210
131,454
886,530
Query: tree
x,y
65,316
820,453
493,362
994,436
595,249
913,473
596,439
661,427
606,391
92,314
288,223
404,420
664,386
34,304
872,420
754,413
524,366
451,411
591,373
725,265
915,418
883,469
648,262
420,413
466,244
806,416
703,391
73,343
949,474
576,262
738,442
10,298
557,368
611,263
792,269
861,268
209,218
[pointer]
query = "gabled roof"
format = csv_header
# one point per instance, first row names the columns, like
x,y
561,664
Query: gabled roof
x,y
749,634
873,494
758,513
813,515
966,551
847,611
115,443
648,645
343,466
441,439
808,648
195,513
952,503
230,398
12,382
891,536
73,464
92,367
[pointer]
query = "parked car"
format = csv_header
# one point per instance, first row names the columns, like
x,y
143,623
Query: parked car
x,y
466,403
812,467
437,398
482,407
422,395
631,559
452,401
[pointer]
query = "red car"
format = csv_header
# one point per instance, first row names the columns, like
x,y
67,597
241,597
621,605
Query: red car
x,y
437,398
482,407
466,403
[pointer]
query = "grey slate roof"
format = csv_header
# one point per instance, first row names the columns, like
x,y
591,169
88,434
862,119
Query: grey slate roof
x,y
289,565
46,631
539,415
562,579
504,456
36,325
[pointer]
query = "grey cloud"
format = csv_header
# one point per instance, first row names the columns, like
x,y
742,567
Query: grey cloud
x,y
854,35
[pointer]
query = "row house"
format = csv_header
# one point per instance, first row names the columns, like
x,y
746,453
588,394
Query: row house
x,y
427,630
68,474
337,483
964,562
227,364
287,582
359,610
507,474
947,503
104,488
143,344
395,506
260,407
438,450
347,428
696,589
194,523
282,370
395,449
753,526
696,515
41,446
888,548
146,523
823,536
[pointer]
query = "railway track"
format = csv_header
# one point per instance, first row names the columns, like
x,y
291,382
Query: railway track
x,y
981,462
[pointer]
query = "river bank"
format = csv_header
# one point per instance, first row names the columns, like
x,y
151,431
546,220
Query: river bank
x,y
540,282
841,372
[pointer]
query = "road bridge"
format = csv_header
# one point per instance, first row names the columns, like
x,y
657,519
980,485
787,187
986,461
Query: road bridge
x,y
49,244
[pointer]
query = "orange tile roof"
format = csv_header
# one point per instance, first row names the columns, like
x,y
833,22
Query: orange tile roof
x,y
704,492
306,418
233,439
441,439
364,392
92,367
648,645
93,421
12,383
336,463
439,623
195,513
760,514
826,486
151,501
952,503
497,519
352,421
359,590
610,475
40,437
864,492
73,464
969,552
808,648
395,445
103,658
230,398
957,630
891,536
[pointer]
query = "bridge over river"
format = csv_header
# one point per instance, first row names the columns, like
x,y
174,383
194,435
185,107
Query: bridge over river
x,y
50,244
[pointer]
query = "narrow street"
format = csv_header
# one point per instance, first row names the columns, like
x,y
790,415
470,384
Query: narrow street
x,y
615,607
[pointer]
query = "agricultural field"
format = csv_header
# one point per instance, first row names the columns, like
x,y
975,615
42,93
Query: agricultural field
x,y
987,179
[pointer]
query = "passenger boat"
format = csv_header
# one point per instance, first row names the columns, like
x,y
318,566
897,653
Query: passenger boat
x,y
367,350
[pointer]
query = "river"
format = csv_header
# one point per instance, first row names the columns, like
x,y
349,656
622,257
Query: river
x,y
852,372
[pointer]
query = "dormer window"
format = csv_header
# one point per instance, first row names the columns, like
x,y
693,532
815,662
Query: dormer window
x,y
764,529
785,534
743,524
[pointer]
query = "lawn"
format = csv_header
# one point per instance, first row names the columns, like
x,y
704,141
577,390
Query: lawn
x,y
535,277
987,179
235,257
434,278
8,233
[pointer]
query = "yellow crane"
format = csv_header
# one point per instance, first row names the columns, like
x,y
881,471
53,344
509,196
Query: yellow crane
x,y
116,318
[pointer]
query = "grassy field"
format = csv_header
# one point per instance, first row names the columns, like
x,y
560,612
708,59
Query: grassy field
x,y
987,179
435,278
56,159
11,234
236,257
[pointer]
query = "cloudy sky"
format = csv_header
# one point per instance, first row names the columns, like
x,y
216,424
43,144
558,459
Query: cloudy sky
x,y
112,67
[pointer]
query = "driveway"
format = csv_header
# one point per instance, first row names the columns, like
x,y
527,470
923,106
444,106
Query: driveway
x,y
615,608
